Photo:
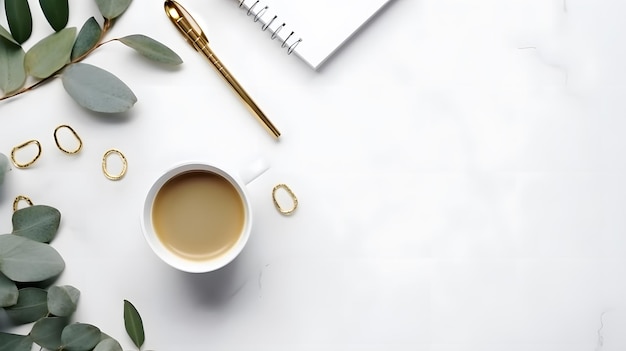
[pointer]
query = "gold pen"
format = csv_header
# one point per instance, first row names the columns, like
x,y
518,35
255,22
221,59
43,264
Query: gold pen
x,y
196,37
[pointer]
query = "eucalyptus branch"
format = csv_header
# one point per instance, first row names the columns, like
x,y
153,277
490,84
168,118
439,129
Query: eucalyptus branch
x,y
108,23
91,87
47,308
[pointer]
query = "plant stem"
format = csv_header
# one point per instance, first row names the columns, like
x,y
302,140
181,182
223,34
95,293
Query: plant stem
x,y
108,23
29,88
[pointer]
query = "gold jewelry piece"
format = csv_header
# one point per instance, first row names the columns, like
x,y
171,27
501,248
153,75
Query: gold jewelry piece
x,y
56,140
104,165
293,198
28,164
21,198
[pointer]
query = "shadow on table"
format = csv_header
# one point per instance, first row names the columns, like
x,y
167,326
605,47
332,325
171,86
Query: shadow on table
x,y
216,289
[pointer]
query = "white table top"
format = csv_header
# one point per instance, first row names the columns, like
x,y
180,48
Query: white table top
x,y
459,164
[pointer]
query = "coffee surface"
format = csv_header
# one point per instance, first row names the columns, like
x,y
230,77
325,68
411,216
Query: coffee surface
x,y
198,215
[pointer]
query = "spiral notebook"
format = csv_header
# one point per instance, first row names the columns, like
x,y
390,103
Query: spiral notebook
x,y
312,30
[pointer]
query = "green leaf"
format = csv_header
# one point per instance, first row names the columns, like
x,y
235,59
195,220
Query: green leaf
x,y
111,9
4,166
25,260
50,54
12,73
19,18
96,89
151,49
32,304
80,337
57,12
87,38
38,222
8,292
107,344
62,300
14,342
133,324
47,332
6,35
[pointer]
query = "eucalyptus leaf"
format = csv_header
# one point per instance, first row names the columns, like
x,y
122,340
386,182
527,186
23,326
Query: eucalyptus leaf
x,y
107,344
4,166
8,292
151,49
6,35
32,304
133,324
47,332
14,342
12,73
62,300
57,12
19,18
87,38
39,222
25,260
96,89
50,54
111,9
80,337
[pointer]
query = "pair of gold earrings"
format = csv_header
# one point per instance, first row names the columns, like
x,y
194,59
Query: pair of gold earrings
x,y
38,145
105,158
17,164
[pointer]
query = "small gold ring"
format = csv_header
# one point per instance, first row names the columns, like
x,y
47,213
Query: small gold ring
x,y
56,140
21,198
27,164
293,198
104,165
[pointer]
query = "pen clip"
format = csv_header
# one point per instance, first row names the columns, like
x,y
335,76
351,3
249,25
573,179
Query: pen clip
x,y
178,14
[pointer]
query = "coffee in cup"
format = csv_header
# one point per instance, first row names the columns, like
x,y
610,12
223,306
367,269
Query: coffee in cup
x,y
196,217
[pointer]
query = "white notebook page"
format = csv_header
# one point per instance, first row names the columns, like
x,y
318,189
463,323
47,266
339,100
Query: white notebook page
x,y
321,25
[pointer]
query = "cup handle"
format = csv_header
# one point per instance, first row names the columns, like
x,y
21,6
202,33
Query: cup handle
x,y
254,170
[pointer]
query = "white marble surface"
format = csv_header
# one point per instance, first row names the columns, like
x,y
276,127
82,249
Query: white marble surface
x,y
460,168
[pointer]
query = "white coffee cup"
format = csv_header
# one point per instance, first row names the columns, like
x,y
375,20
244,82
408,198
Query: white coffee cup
x,y
164,251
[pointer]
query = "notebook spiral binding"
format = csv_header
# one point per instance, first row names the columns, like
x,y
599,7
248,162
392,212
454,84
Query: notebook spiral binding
x,y
267,23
